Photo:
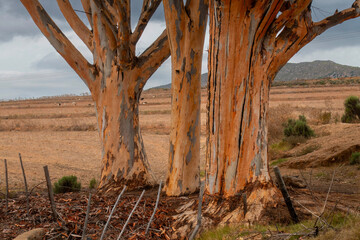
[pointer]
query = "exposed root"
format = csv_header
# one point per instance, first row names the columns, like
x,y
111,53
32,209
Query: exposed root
x,y
261,200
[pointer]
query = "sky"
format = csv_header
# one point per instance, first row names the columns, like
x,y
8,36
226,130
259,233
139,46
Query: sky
x,y
30,67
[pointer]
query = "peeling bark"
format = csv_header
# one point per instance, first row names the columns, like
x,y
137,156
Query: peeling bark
x,y
186,25
123,160
115,79
249,43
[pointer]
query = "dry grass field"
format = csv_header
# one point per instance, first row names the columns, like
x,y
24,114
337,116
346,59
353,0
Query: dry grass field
x,y
61,132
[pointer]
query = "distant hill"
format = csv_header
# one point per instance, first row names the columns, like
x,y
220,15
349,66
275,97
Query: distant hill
x,y
305,70
316,70
203,83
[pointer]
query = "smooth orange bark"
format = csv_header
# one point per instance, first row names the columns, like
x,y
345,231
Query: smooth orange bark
x,y
116,78
186,25
249,43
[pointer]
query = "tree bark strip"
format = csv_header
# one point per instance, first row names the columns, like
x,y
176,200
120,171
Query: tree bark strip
x,y
249,43
186,25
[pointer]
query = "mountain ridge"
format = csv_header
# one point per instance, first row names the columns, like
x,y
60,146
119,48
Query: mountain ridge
x,y
318,69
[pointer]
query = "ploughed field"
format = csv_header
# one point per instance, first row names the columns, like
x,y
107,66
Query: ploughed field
x,y
61,132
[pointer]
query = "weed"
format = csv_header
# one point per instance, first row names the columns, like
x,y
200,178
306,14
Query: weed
x,y
277,116
321,175
343,226
308,149
294,140
93,183
218,233
278,161
67,184
355,158
337,118
325,117
281,146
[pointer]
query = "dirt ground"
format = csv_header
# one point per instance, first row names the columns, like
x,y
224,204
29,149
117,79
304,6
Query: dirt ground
x,y
61,132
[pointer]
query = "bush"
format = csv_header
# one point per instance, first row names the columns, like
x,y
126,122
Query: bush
x,y
298,128
67,184
93,183
325,117
352,110
355,158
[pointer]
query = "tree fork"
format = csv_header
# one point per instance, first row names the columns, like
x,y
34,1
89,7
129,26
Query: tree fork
x,y
115,79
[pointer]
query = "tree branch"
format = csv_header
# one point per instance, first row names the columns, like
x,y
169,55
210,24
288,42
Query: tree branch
x,y
59,41
301,30
270,15
87,9
152,58
126,51
290,11
148,9
104,32
75,23
337,18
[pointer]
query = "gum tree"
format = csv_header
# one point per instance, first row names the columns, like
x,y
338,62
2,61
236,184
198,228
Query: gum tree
x,y
186,25
249,43
115,78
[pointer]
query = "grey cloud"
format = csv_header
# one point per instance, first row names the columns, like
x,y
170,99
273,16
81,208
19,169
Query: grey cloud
x,y
52,61
38,84
15,20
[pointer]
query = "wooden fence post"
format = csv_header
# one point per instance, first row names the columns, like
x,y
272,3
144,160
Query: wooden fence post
x,y
7,186
50,191
285,195
25,183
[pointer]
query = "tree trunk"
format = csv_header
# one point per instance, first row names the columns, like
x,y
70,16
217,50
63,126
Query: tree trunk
x,y
186,27
123,155
238,101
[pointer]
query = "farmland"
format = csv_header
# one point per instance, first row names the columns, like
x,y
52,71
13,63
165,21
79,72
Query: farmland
x,y
61,132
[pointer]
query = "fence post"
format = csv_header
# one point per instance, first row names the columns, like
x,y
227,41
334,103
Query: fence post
x,y
7,186
25,183
285,195
50,191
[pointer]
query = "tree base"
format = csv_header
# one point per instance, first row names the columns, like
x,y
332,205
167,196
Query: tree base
x,y
261,201
135,183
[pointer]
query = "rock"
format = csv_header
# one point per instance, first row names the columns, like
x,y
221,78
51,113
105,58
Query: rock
x,y
35,234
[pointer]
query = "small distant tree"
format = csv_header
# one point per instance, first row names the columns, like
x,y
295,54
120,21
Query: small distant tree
x,y
352,110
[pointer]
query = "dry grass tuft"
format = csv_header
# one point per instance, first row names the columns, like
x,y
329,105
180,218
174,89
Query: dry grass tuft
x,y
277,117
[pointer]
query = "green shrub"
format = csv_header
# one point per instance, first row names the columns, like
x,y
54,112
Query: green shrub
x,y
298,128
355,158
67,184
93,183
352,110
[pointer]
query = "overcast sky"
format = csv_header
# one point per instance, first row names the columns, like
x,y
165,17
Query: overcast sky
x,y
30,67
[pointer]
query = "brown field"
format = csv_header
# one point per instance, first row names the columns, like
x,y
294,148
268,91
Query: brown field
x,y
61,132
